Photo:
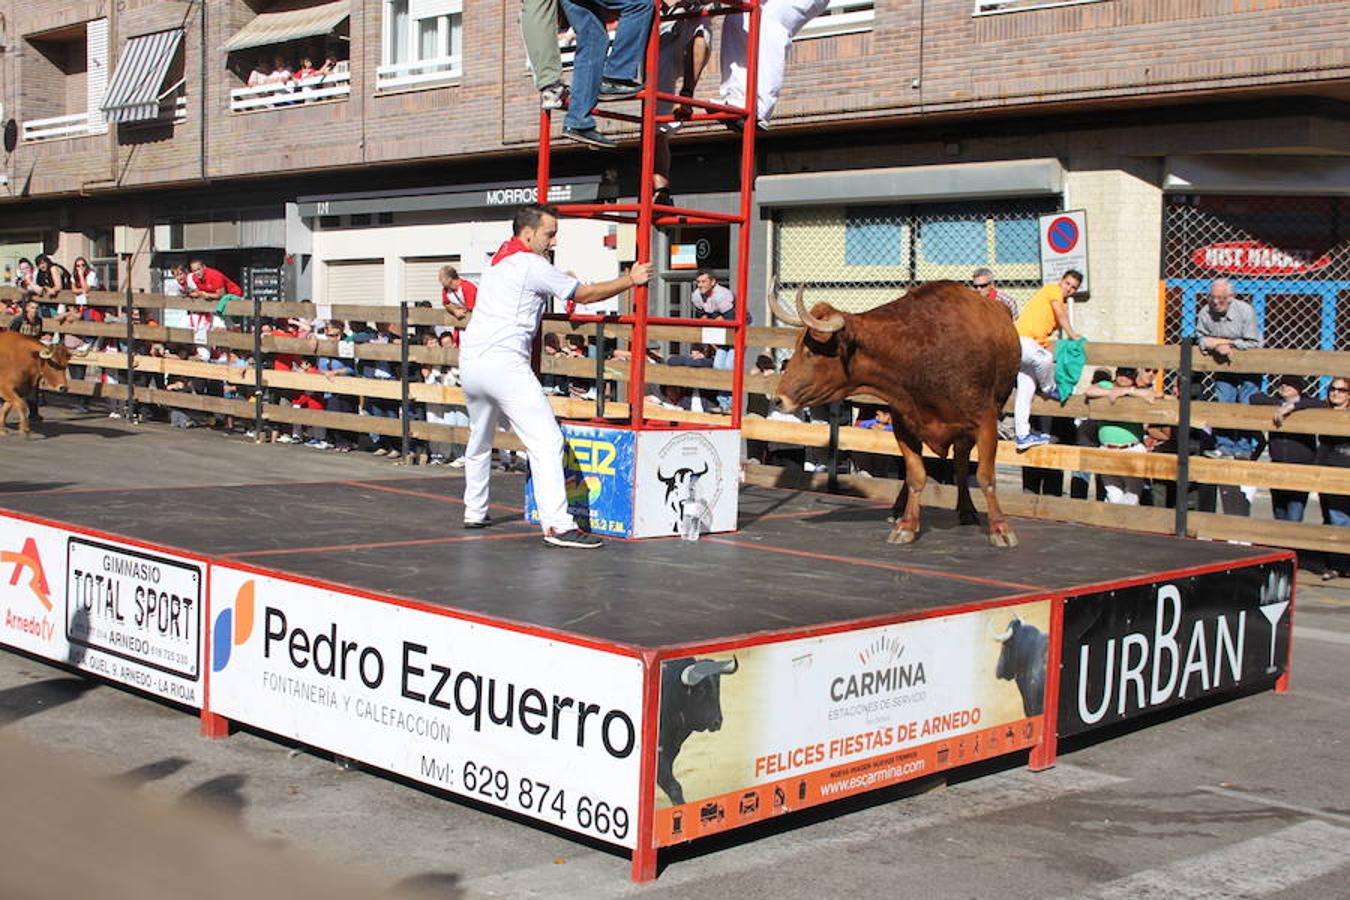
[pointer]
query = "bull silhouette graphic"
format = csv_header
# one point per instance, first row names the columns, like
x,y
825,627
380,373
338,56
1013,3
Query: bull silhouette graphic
x,y
677,487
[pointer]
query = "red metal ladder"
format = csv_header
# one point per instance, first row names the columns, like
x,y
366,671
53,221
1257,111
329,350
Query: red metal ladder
x,y
648,216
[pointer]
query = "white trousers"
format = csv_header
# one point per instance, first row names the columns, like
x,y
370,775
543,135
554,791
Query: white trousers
x,y
779,22
1036,372
1124,489
498,386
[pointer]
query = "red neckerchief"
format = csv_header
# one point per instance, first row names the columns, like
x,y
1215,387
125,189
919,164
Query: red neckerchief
x,y
516,245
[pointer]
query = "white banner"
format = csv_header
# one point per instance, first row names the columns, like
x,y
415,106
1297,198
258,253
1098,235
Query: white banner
x,y
547,729
130,615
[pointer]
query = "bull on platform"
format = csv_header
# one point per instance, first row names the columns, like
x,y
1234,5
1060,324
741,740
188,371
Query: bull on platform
x,y
943,358
1022,660
691,700
26,364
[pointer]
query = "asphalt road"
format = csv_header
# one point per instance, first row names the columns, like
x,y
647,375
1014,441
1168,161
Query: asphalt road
x,y
1249,798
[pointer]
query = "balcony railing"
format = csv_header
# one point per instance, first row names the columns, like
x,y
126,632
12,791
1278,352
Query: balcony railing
x,y
333,86
996,7
418,72
56,127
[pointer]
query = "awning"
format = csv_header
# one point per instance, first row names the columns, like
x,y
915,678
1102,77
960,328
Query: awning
x,y
137,85
290,25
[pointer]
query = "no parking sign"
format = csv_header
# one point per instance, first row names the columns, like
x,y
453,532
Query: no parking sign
x,y
1064,245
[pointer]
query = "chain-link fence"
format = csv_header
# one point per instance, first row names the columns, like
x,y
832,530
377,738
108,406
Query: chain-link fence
x,y
1287,256
859,257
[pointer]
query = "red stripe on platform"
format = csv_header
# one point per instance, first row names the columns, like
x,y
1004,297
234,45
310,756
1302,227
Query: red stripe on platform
x,y
430,496
854,561
380,545
199,487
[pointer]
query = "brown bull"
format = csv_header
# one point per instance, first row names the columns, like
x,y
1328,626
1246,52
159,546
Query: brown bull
x,y
942,356
25,364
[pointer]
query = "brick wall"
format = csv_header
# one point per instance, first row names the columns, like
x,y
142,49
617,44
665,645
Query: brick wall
x,y
963,65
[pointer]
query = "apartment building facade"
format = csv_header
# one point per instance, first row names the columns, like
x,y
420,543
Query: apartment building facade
x,y
914,139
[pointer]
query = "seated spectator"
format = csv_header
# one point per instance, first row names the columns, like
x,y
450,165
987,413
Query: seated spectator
x,y
1334,450
1123,436
880,465
330,64
1286,446
307,68
23,278
212,284
83,280
261,73
281,71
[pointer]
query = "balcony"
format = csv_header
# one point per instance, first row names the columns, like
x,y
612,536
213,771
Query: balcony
x,y
336,85
58,127
418,73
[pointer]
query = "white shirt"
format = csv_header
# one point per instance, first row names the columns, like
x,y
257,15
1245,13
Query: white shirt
x,y
511,299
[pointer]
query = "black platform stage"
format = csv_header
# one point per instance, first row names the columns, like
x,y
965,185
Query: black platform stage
x,y
799,560
636,694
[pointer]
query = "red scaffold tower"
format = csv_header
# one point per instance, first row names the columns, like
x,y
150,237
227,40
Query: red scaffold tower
x,y
648,216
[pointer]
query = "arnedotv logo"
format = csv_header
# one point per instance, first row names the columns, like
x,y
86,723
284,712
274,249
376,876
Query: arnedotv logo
x,y
28,559
232,627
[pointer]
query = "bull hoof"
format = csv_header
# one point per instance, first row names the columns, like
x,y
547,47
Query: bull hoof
x,y
1004,538
902,536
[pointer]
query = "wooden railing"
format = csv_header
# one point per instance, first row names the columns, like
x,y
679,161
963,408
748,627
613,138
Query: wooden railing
x,y
267,409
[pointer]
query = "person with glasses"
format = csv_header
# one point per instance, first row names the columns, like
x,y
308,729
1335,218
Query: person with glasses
x,y
982,280
1334,450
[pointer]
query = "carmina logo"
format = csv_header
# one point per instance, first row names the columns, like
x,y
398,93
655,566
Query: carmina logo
x,y
883,672
232,627
28,560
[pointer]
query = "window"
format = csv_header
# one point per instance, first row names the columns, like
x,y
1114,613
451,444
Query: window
x,y
354,282
267,56
423,43
68,72
994,7
840,17
422,277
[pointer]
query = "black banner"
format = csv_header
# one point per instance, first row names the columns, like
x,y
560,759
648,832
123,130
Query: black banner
x,y
1138,649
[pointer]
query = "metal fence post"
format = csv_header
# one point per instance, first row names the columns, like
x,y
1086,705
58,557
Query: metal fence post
x,y
833,457
131,357
1183,488
257,372
404,412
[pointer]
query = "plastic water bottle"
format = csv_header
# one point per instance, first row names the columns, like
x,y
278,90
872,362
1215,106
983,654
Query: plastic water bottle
x,y
691,513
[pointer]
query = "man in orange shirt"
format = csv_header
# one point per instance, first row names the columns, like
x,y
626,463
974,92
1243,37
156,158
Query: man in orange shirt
x,y
1046,312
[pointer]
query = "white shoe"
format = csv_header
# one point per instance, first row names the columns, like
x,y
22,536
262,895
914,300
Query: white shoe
x,y
458,463
285,439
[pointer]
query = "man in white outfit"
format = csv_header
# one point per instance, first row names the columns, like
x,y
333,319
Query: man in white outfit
x,y
494,370
779,22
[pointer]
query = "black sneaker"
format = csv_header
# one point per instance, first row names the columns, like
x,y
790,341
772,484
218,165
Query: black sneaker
x,y
661,197
477,523
592,136
575,539
619,90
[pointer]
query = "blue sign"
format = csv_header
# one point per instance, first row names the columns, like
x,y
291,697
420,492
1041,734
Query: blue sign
x,y
599,465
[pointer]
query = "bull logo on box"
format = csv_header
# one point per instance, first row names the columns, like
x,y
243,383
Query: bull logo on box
x,y
686,460
232,627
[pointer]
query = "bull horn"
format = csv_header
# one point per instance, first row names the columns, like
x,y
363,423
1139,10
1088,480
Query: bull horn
x,y
1003,636
779,310
829,325
730,667
45,353
703,669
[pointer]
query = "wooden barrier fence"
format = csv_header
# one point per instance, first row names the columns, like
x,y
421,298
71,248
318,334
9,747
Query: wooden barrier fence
x,y
264,407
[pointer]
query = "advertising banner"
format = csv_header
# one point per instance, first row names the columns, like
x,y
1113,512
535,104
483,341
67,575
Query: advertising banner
x,y
1134,650
543,728
774,728
598,464
130,615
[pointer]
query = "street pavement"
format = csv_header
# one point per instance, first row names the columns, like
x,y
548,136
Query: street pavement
x,y
1249,798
